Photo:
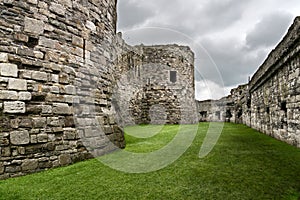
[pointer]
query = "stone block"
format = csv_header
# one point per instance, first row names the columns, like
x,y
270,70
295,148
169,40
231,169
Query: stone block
x,y
90,25
39,122
14,107
33,1
64,78
33,139
70,89
49,43
46,109
29,165
13,169
24,96
7,69
8,95
40,76
77,41
25,123
5,151
89,132
3,57
1,168
42,138
38,54
19,137
17,84
69,121
67,3
54,121
34,26
54,78
64,159
61,108
57,8
70,133
54,89
21,37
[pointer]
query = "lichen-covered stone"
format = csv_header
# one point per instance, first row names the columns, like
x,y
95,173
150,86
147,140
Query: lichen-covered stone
x,y
19,137
29,165
64,159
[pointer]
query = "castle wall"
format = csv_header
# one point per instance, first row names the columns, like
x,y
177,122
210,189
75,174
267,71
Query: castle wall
x,y
56,80
275,90
156,86
222,110
270,102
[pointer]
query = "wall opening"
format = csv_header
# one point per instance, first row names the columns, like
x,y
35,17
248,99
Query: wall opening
x,y
173,76
218,115
283,106
228,115
32,42
268,110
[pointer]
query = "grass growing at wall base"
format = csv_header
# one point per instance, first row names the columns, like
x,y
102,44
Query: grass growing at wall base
x,y
243,165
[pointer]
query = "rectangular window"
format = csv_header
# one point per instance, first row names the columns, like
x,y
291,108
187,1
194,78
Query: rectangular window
x,y
173,77
283,106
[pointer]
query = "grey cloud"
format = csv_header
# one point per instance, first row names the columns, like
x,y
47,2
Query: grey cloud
x,y
131,14
192,17
200,17
234,62
218,15
269,30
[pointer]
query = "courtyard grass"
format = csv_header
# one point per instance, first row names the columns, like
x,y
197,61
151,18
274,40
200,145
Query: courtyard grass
x,y
244,164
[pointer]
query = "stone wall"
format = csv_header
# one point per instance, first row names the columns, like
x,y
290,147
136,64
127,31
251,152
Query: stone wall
x,y
156,85
69,83
221,110
270,102
56,79
275,90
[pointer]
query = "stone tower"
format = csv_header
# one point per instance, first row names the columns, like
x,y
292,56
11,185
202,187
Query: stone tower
x,y
56,63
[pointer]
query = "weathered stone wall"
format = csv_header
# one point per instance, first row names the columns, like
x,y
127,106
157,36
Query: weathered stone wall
x,y
156,85
221,110
270,102
56,80
275,90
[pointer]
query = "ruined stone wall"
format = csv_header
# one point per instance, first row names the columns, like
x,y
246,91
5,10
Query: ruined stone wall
x,y
156,85
275,90
56,80
222,110
241,104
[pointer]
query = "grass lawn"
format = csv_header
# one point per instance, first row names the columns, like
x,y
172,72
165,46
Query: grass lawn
x,y
243,165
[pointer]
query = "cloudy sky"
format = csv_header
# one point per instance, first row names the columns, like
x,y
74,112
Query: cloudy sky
x,y
230,38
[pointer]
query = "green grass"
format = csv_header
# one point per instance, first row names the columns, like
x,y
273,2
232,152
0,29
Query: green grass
x,y
243,165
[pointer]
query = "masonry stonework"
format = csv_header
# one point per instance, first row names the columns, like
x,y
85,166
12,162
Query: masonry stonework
x,y
270,102
159,80
63,96
56,64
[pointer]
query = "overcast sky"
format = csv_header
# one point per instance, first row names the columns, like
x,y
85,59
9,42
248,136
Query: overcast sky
x,y
231,38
